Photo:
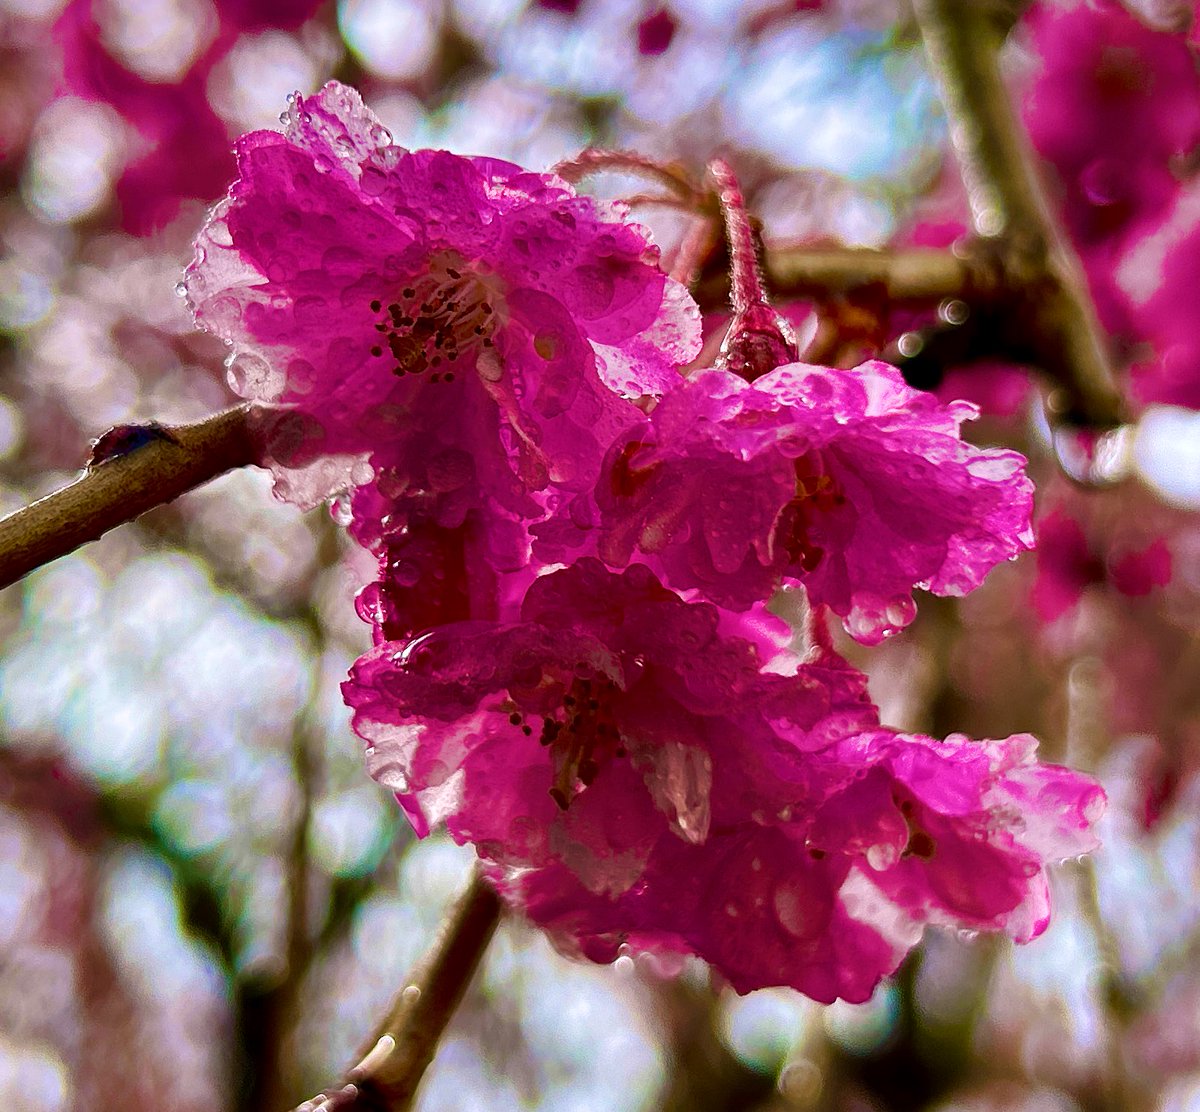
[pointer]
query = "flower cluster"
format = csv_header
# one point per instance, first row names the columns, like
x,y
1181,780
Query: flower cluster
x,y
575,668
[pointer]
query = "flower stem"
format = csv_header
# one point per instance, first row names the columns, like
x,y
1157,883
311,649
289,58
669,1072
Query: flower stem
x,y
759,339
596,161
167,462
745,279
394,1059
1010,208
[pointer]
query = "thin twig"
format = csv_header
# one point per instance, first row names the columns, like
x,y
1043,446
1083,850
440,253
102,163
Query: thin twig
x,y
167,462
268,1013
394,1059
596,161
1008,205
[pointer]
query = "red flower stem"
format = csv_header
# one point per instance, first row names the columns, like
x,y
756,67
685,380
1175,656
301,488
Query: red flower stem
x,y
746,286
121,488
394,1059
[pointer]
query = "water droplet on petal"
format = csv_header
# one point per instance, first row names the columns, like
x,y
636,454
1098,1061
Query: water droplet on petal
x,y
882,856
340,509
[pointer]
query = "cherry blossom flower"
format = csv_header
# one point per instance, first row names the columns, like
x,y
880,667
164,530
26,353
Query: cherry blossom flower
x,y
608,680
473,328
828,894
643,771
850,482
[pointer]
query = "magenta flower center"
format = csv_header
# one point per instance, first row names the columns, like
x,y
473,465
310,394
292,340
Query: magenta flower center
x,y
817,494
581,736
446,315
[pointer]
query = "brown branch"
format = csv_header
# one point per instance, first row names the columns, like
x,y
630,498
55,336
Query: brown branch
x,y
173,460
394,1059
904,274
1009,207
911,274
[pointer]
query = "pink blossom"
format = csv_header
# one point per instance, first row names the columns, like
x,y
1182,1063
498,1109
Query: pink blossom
x,y
850,482
181,147
1168,318
1115,107
622,682
640,770
1068,562
827,894
468,325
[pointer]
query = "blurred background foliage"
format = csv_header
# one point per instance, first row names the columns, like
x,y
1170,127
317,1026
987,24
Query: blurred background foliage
x,y
204,902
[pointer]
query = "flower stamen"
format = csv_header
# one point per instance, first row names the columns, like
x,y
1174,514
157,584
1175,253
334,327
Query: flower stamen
x,y
445,315
583,738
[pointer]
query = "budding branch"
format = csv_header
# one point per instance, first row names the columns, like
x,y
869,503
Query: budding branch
x,y
121,488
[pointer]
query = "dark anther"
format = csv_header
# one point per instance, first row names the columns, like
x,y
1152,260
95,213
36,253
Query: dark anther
x,y
376,305
376,350
527,730
515,718
452,272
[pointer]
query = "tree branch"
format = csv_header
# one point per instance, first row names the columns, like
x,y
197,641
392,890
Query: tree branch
x,y
134,469
1009,207
916,273
394,1059
904,274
